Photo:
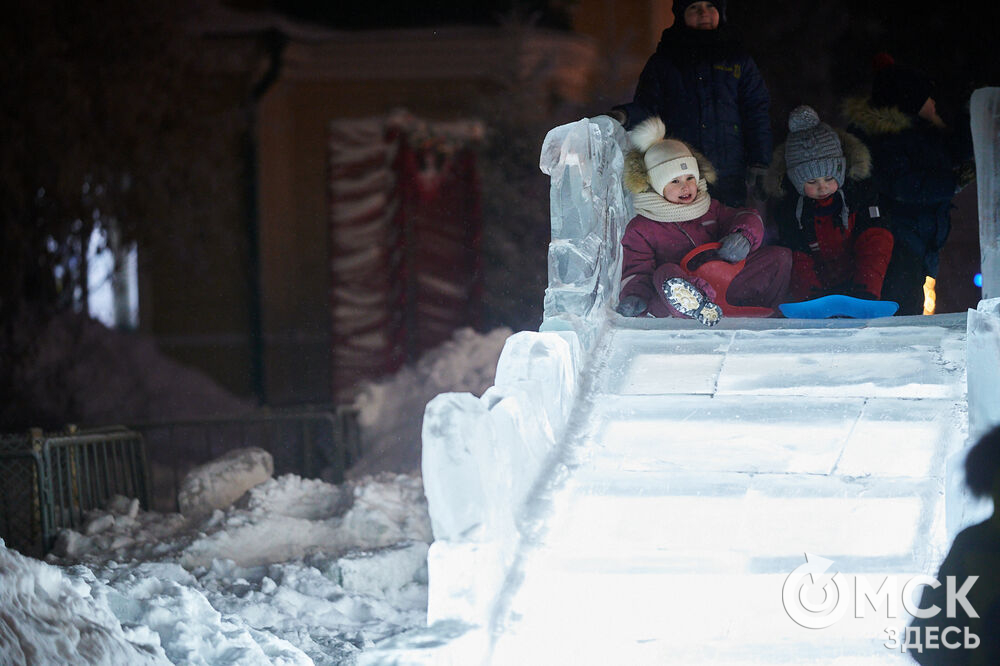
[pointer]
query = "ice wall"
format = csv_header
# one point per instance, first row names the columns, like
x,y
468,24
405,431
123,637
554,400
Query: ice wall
x,y
984,109
982,364
983,332
589,210
481,458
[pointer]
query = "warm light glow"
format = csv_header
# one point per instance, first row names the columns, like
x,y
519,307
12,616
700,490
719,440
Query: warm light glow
x,y
930,297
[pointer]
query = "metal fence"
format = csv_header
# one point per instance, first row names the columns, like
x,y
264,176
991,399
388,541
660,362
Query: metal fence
x,y
50,481
312,442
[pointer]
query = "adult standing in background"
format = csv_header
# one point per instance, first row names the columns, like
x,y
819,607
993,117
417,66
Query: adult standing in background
x,y
710,94
919,165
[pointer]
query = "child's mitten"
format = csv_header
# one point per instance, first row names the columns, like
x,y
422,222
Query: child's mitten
x,y
735,247
631,306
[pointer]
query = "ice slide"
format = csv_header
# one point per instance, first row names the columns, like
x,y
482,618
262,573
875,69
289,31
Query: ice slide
x,y
638,491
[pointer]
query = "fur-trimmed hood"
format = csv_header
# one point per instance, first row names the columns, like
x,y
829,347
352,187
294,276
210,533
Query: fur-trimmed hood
x,y
873,120
635,178
859,163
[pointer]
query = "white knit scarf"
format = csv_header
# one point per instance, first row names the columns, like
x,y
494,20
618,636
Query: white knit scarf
x,y
655,207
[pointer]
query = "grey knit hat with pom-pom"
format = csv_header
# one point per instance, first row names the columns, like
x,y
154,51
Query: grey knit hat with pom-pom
x,y
813,149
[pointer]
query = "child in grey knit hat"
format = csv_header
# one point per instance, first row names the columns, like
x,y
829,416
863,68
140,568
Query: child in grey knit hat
x,y
826,210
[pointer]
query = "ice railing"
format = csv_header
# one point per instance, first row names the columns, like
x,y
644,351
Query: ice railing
x,y
589,209
983,333
982,367
482,456
982,352
984,111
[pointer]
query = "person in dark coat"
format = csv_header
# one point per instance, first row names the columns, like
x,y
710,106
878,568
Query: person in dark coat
x,y
826,209
710,94
919,166
974,562
675,214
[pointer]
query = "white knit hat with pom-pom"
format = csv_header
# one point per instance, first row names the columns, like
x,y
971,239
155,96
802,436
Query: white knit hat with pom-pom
x,y
813,149
665,159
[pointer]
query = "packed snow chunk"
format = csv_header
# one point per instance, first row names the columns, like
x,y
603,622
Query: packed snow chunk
x,y
383,573
253,540
120,532
388,508
70,543
302,602
289,518
295,497
48,618
123,506
219,483
164,599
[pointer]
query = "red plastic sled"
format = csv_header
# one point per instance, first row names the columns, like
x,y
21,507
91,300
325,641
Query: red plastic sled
x,y
720,274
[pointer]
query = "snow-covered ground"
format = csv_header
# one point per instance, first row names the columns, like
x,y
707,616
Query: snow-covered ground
x,y
297,571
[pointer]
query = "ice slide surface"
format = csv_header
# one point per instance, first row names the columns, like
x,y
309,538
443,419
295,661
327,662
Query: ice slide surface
x,y
637,491
701,467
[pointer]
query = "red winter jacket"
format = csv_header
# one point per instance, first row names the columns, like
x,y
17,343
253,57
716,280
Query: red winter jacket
x,y
829,257
648,244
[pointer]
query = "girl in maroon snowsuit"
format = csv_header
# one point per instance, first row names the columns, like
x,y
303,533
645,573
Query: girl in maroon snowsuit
x,y
669,183
825,205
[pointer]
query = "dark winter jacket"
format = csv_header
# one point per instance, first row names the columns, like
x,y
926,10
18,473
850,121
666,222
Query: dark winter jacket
x,y
710,94
833,255
914,173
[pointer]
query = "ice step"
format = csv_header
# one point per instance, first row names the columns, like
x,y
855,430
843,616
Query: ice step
x,y
905,362
725,522
579,617
851,437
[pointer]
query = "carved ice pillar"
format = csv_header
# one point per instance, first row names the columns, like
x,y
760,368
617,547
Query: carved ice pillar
x,y
481,460
589,210
985,117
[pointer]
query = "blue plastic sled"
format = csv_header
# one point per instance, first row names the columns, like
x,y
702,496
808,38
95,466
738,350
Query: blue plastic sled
x,y
837,305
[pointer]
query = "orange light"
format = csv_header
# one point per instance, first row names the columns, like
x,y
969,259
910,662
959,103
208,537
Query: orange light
x,y
930,296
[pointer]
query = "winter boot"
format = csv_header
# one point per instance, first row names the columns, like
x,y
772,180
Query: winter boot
x,y
691,301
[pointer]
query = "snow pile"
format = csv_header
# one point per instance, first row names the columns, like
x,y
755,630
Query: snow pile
x,y
219,483
391,411
297,571
53,618
76,370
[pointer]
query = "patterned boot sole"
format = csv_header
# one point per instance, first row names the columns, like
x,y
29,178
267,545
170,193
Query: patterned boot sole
x,y
691,301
